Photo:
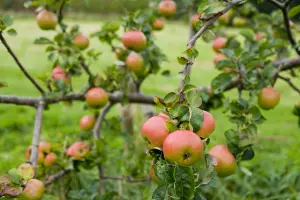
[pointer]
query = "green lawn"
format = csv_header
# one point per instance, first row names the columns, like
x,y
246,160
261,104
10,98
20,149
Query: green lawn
x,y
278,140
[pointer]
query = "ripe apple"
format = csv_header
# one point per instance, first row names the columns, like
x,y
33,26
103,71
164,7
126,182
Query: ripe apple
x,y
164,115
26,170
87,122
135,40
96,97
218,58
44,147
33,190
183,147
167,8
194,19
268,98
46,20
239,21
226,163
78,150
155,130
59,73
81,41
208,125
259,36
135,62
158,24
153,176
50,159
40,157
219,43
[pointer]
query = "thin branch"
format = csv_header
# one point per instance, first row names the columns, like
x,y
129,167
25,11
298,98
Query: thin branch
x,y
61,16
51,179
20,65
86,69
36,135
288,80
276,3
100,119
127,178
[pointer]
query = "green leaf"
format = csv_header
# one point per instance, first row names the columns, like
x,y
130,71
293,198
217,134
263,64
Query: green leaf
x,y
172,97
228,53
294,11
29,4
196,118
232,136
182,60
189,87
184,182
12,32
166,73
248,153
222,64
43,40
7,20
208,176
220,82
199,195
166,172
159,193
171,127
192,53
248,34
184,113
209,35
15,176
193,97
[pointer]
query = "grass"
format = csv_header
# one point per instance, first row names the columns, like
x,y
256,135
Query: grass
x,y
277,143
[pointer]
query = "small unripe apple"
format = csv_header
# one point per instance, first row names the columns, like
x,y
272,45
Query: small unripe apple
x,y
78,150
259,36
59,73
135,62
153,176
167,8
158,24
96,97
44,147
194,19
50,159
225,18
155,130
183,147
226,163
268,98
33,190
239,21
26,170
46,20
87,122
81,41
218,58
219,43
208,125
135,40
40,157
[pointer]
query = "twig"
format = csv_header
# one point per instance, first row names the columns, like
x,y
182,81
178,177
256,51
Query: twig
x,y
86,69
51,179
288,80
276,3
36,135
61,16
20,65
128,179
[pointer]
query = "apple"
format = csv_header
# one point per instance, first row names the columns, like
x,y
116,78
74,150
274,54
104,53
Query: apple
x,y
194,19
219,57
40,157
135,40
59,73
268,98
135,62
34,190
259,36
50,159
96,97
153,176
225,18
81,41
164,115
239,21
44,147
167,8
46,20
158,24
226,163
219,43
87,122
208,125
26,171
210,90
183,147
155,131
78,150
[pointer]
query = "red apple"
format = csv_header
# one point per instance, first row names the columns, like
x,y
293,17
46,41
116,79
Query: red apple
x,y
153,176
135,62
87,122
50,159
96,97
194,19
219,43
164,115
183,147
135,40
34,190
155,131
46,20
167,8
226,163
44,147
208,125
268,98
59,73
259,36
81,41
40,157
78,150
158,24
218,58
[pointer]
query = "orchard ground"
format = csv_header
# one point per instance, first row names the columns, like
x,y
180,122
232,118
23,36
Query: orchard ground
x,y
278,140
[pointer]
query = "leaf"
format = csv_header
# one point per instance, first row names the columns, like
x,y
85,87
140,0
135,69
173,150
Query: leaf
x,y
172,97
166,173
199,195
248,34
184,113
208,176
159,193
43,40
7,20
171,127
209,35
29,4
189,87
155,152
196,119
166,73
222,64
220,82
26,170
182,60
184,182
294,11
12,32
228,53
248,153
193,97
15,176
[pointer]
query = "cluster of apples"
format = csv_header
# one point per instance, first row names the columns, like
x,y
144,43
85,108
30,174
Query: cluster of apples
x,y
186,147
45,156
166,8
48,20
78,150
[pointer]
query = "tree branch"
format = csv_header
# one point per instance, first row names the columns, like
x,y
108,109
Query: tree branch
x,y
36,135
51,179
20,65
127,178
288,80
86,69
276,3
61,16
